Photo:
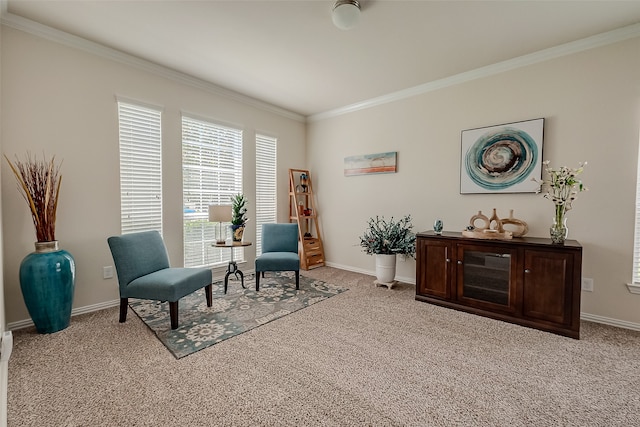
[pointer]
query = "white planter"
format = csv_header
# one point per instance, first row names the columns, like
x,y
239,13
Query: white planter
x,y
385,268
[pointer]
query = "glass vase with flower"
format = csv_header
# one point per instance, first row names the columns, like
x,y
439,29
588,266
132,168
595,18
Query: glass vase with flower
x,y
561,187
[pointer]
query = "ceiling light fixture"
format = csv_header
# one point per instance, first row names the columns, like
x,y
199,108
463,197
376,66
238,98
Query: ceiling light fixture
x,y
346,14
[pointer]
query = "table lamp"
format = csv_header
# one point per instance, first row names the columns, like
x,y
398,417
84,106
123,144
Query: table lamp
x,y
220,214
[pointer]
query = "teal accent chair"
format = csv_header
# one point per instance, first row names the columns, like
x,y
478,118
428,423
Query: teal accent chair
x,y
142,264
279,251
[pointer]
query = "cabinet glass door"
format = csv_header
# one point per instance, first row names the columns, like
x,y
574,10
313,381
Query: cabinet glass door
x,y
486,276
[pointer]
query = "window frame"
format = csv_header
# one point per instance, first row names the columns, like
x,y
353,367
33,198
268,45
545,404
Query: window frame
x,y
211,173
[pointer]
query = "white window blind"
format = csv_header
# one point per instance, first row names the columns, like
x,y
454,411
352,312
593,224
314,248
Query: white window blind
x,y
265,185
211,174
140,168
636,240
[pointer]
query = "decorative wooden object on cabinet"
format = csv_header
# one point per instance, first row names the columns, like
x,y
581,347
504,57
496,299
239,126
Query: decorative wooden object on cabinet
x,y
303,211
528,281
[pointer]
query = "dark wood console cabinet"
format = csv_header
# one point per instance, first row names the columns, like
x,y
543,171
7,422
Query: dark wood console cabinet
x,y
528,281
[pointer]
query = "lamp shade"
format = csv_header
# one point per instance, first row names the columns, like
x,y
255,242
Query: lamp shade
x,y
219,213
346,14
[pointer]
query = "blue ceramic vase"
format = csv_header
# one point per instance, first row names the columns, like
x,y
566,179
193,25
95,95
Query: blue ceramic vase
x,y
47,280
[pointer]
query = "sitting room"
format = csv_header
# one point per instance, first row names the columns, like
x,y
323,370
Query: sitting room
x,y
220,179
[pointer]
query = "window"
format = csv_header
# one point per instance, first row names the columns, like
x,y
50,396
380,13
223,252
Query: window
x,y
140,168
211,174
636,240
265,185
634,286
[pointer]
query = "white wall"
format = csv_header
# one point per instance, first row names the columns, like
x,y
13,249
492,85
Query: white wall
x,y
62,101
4,365
591,103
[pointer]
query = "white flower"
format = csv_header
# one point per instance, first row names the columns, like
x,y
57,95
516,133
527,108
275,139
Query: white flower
x,y
562,186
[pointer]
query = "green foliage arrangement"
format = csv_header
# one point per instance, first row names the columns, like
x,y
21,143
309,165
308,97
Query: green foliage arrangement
x,y
39,183
238,209
389,237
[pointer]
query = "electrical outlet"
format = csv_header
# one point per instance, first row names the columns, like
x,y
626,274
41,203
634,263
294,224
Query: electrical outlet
x,y
107,272
587,284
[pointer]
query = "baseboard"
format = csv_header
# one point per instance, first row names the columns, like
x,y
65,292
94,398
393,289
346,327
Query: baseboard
x,y
20,324
26,323
610,321
584,316
403,279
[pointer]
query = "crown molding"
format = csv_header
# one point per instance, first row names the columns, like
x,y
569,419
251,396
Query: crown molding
x,y
28,26
49,33
570,48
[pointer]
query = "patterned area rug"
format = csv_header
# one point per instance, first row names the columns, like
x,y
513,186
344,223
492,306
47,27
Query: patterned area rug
x,y
236,312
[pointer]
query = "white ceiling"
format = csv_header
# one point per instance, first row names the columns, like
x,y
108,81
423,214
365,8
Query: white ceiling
x,y
289,54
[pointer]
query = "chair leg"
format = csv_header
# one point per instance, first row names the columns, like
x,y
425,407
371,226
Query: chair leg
x,y
173,313
209,293
297,279
124,304
258,281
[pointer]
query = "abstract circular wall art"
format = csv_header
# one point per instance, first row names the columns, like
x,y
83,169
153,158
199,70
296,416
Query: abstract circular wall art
x,y
502,158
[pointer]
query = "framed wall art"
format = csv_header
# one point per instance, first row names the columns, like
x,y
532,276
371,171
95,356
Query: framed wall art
x,y
370,163
502,158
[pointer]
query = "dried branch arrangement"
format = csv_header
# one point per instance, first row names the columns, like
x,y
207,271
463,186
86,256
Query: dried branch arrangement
x,y
39,183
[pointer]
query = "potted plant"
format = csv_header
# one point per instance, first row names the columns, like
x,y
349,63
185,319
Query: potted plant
x,y
386,239
238,216
47,276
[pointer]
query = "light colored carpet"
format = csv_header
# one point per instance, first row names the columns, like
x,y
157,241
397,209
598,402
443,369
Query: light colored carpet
x,y
369,356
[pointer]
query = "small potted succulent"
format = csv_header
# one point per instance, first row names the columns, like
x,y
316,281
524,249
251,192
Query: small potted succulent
x,y
238,216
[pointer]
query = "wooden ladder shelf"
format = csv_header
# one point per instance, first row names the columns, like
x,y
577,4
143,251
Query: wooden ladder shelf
x,y
303,211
